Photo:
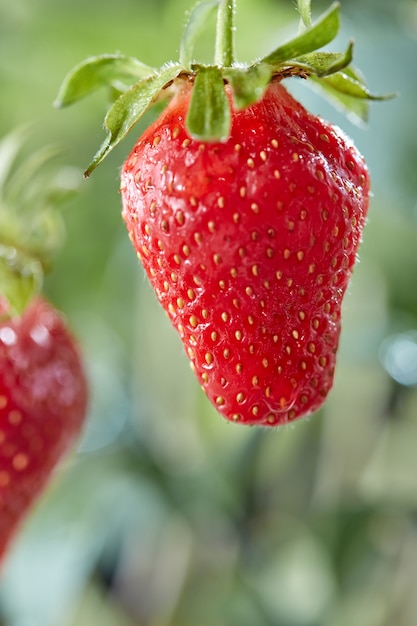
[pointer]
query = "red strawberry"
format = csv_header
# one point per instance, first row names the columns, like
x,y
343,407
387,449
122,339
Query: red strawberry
x,y
245,210
249,245
43,397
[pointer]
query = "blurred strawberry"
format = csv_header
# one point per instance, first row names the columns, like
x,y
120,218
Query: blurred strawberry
x,y
43,401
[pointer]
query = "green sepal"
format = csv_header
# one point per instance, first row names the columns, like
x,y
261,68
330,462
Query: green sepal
x,y
129,108
107,70
20,279
319,35
349,93
209,116
197,21
325,63
248,83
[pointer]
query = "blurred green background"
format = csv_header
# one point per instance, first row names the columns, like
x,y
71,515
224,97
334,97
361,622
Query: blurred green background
x,y
166,515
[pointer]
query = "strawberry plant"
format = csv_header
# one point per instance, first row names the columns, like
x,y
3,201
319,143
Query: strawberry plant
x,y
43,389
245,210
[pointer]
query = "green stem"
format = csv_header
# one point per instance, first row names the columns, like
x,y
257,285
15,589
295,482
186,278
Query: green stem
x,y
225,34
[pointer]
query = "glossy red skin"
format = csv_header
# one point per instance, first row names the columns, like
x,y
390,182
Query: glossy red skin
x,y
282,203
43,403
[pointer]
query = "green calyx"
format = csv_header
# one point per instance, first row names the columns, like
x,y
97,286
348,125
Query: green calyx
x,y
31,226
134,87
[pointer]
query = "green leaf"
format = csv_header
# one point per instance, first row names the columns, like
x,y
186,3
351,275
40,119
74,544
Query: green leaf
x,y
129,108
20,279
319,35
112,70
209,116
9,148
248,84
196,23
325,63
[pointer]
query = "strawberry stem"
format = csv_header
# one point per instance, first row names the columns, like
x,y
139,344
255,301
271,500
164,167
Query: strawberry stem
x,y
225,34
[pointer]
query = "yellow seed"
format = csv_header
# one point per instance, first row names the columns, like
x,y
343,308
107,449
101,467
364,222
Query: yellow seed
x,y
220,401
274,143
301,315
179,216
240,397
225,316
254,207
255,270
217,258
249,291
238,335
239,368
265,362
255,381
4,478
191,294
255,410
209,358
20,461
211,226
311,347
264,156
205,377
177,259
242,192
287,253
205,314
180,303
221,202
233,272
300,255
226,353
193,321
186,250
214,336
295,334
198,238
251,163
268,392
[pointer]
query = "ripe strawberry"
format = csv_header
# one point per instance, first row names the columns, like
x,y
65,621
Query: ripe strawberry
x,y
249,245
245,210
43,397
